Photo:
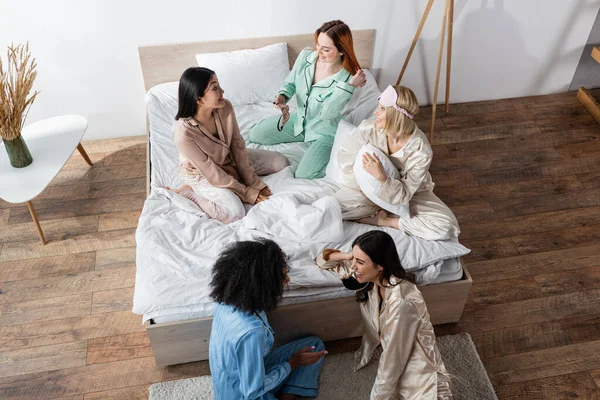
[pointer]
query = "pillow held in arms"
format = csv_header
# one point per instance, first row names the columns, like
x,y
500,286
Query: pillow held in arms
x,y
369,185
249,76
333,171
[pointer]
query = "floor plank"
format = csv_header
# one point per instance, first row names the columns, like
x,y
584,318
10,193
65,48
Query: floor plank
x,y
533,311
540,222
75,208
490,132
119,220
57,229
569,281
499,292
99,174
76,161
131,156
76,244
455,180
59,286
535,263
115,145
578,150
561,168
117,348
476,212
112,300
95,378
545,363
115,258
571,386
521,143
487,249
582,329
590,180
66,330
486,119
39,359
566,238
486,161
502,192
46,266
546,203
565,124
519,339
24,312
130,393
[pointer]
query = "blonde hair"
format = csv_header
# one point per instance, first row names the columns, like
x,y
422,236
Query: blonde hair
x,y
395,121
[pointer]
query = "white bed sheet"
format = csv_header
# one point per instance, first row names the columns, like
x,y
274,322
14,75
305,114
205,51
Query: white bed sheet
x,y
177,243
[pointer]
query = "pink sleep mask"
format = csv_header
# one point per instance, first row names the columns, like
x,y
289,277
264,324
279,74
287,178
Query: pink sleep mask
x,y
389,97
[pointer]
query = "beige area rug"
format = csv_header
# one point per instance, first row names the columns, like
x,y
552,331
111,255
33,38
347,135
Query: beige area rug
x,y
337,380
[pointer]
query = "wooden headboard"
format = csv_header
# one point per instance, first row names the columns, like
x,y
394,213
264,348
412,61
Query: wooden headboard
x,y
166,63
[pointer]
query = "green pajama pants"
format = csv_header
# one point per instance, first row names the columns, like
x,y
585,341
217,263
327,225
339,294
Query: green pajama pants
x,y
313,163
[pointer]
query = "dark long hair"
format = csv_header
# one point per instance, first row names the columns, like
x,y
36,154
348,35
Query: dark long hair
x,y
381,249
341,36
249,276
192,86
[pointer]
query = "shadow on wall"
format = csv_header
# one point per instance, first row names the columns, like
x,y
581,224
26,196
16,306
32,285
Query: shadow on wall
x,y
557,52
494,33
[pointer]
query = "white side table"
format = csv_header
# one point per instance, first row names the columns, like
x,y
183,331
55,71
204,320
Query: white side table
x,y
51,142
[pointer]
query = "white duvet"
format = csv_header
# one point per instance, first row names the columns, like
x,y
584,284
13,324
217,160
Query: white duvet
x,y
177,244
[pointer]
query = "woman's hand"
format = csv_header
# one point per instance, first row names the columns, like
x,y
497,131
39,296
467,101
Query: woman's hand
x,y
359,79
373,166
261,197
336,255
305,356
266,191
279,101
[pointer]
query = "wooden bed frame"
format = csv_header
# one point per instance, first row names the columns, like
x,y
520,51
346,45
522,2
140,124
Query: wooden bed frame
x,y
187,341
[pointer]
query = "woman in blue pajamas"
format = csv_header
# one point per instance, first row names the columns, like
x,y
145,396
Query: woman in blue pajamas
x,y
248,279
323,80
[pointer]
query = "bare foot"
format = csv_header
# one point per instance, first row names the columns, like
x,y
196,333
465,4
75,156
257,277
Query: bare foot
x,y
377,219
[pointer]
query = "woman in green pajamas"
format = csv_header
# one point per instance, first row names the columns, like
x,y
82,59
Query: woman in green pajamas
x,y
323,80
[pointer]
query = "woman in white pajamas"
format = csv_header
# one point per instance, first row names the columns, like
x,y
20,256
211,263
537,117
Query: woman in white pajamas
x,y
394,132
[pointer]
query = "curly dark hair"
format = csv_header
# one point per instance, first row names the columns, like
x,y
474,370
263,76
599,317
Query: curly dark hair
x,y
381,249
249,276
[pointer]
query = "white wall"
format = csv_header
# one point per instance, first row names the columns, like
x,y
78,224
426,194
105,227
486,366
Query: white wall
x,y
88,64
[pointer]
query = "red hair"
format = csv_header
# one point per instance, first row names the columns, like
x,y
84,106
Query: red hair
x,y
341,36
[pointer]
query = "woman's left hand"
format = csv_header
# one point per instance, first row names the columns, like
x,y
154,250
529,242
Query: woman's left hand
x,y
373,166
266,191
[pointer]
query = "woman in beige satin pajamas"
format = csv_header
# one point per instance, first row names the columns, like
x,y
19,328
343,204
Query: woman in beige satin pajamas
x,y
394,132
396,322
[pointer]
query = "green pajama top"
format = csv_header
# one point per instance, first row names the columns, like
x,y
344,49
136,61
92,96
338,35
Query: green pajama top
x,y
320,105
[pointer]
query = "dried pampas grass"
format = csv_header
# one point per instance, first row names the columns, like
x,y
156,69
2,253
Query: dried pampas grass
x,y
16,83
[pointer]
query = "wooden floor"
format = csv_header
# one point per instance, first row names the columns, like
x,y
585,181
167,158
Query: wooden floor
x,y
522,176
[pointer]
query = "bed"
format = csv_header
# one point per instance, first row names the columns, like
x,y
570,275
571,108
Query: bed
x,y
177,244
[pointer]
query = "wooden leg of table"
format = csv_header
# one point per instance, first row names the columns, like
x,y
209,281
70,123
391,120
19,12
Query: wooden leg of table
x,y
449,53
84,154
415,40
439,68
37,222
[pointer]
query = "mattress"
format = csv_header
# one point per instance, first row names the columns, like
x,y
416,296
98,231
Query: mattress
x,y
177,243
451,270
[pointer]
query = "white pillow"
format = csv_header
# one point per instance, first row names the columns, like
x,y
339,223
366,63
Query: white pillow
x,y
249,76
369,184
333,171
363,101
